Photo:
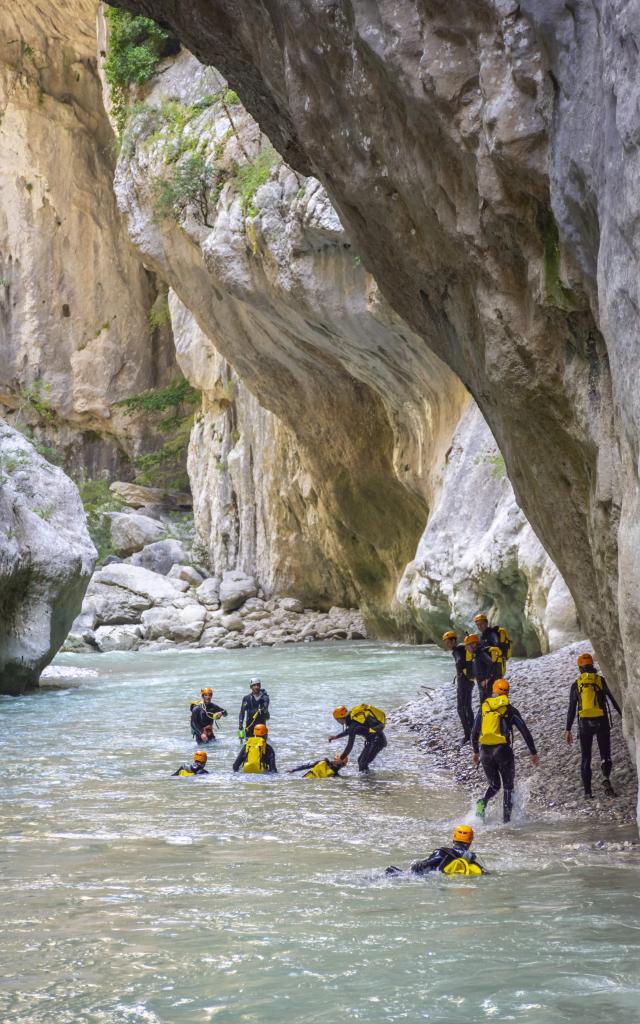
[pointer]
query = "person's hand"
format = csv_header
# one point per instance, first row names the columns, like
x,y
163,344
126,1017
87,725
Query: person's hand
x,y
535,760
476,758
240,734
289,771
331,738
218,715
568,737
203,737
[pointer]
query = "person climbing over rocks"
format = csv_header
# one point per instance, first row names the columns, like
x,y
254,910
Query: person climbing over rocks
x,y
327,768
363,720
257,756
254,709
464,682
590,697
204,713
493,734
197,767
486,664
451,860
493,636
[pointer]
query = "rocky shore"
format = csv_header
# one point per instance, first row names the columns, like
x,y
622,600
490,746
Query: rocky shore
x,y
540,691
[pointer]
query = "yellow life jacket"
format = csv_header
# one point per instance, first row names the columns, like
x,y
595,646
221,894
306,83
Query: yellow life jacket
x,y
591,695
195,702
256,749
505,642
462,866
497,657
186,771
493,710
321,770
363,711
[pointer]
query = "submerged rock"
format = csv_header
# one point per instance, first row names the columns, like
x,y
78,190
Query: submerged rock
x,y
46,559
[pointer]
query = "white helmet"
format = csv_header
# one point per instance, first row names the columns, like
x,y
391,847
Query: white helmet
x,y
255,682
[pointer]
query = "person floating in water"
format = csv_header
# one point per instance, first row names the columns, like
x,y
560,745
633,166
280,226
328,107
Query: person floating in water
x,y
464,682
257,755
590,697
451,860
363,720
254,709
203,715
327,768
197,767
492,731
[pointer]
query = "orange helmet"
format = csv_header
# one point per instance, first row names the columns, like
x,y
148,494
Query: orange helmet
x,y
463,834
205,690
585,659
449,635
501,686
481,617
340,713
260,730
200,756
472,638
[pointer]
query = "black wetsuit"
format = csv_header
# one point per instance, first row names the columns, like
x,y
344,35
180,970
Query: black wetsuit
x,y
374,741
485,671
193,769
590,729
204,714
497,758
256,710
269,759
464,688
490,638
442,857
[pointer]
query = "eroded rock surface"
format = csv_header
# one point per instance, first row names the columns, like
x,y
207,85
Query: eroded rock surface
x,y
46,560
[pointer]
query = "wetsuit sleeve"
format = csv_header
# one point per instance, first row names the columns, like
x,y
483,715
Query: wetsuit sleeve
x,y
176,773
433,863
303,767
240,759
573,706
517,720
271,759
217,709
351,733
475,732
243,708
608,694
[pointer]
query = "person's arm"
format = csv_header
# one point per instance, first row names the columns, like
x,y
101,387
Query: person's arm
x,y
301,768
217,710
243,708
573,707
196,715
517,720
432,863
475,732
240,759
178,771
271,759
352,738
608,694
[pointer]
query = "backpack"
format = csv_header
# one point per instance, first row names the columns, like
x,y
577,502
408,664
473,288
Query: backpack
x,y
361,712
591,695
321,770
462,866
493,712
256,747
505,642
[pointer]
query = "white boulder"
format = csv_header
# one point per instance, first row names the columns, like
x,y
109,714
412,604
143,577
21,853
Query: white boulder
x,y
235,588
131,532
160,556
180,625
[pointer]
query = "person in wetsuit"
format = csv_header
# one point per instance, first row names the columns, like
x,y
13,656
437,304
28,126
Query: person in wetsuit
x,y
256,756
492,732
590,697
451,860
486,665
196,768
254,709
326,768
203,715
366,721
464,683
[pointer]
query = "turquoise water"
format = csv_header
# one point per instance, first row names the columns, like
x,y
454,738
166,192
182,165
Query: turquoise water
x,y
129,896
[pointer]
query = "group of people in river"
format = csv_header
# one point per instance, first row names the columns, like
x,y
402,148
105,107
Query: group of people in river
x,y
481,665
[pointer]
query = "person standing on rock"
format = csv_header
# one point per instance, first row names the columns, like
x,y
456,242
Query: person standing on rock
x,y
493,636
203,715
464,682
254,709
486,664
493,733
590,697
363,720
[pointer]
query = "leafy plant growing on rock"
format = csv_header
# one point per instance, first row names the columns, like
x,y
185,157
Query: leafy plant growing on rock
x,y
249,177
188,186
98,500
165,467
135,47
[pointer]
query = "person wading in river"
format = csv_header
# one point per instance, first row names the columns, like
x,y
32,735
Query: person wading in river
x,y
203,715
464,683
486,664
327,768
493,733
590,697
197,767
363,720
451,860
254,709
257,756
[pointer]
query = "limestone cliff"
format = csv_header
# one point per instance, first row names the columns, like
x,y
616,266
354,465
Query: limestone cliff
x,y
482,156
75,300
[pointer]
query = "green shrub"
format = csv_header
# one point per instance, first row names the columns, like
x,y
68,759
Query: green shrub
x,y
188,186
159,315
165,467
249,177
98,500
134,49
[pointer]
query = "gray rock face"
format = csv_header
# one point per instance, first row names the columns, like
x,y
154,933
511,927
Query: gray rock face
x,y
179,625
235,588
46,559
114,605
151,585
160,556
208,593
130,532
117,638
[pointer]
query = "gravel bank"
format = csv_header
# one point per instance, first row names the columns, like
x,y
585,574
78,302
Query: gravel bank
x,y
540,691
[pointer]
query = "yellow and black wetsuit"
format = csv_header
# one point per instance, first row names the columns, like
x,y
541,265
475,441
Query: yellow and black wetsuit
x,y
324,769
593,722
447,859
464,689
497,757
268,760
190,769
372,731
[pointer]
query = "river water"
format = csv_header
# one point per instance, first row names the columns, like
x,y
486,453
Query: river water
x,y
129,896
